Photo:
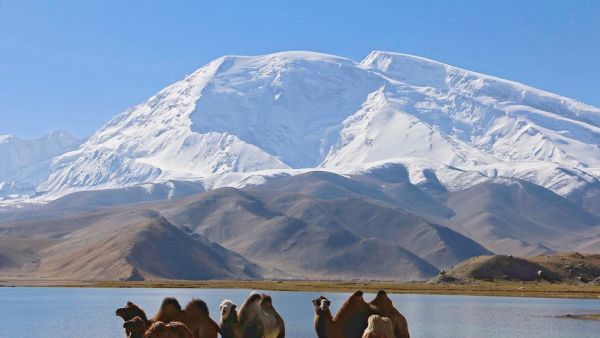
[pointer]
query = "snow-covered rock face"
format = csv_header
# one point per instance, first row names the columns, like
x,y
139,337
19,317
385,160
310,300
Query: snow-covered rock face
x,y
26,163
295,110
510,121
288,104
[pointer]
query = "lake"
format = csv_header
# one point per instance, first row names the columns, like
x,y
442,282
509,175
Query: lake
x,y
89,312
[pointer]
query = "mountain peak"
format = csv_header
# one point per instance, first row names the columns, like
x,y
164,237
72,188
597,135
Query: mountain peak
x,y
301,109
25,163
6,138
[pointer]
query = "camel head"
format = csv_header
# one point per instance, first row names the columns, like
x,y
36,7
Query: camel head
x,y
321,305
379,327
131,311
135,325
227,309
376,320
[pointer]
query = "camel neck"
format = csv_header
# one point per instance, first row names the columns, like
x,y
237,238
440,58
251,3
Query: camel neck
x,y
229,326
324,325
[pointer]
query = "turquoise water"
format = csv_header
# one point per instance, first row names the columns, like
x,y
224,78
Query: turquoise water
x,y
89,313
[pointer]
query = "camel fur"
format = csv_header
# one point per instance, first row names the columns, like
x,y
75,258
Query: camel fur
x,y
136,327
170,330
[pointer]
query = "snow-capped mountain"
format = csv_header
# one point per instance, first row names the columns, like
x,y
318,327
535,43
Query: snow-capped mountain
x,y
292,110
395,153
26,163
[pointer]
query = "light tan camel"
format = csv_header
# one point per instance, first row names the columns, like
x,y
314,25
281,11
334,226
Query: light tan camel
x,y
379,327
257,318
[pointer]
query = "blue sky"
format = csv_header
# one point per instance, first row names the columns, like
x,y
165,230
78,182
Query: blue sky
x,y
73,65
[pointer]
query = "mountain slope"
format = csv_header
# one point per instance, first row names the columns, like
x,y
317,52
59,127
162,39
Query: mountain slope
x,y
314,225
291,230
120,244
517,217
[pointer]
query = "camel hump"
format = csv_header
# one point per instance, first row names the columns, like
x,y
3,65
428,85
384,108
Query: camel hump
x,y
197,305
246,311
156,328
180,329
382,299
170,302
357,296
266,300
252,299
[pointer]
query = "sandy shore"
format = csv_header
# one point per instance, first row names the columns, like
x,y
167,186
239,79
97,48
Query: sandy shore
x,y
510,289
595,316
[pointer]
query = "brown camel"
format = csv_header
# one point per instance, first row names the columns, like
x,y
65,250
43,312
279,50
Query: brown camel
x,y
230,323
324,325
171,330
383,306
136,327
379,327
350,321
195,316
129,312
257,318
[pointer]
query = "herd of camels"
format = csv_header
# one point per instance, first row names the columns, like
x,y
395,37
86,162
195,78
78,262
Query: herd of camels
x,y
257,318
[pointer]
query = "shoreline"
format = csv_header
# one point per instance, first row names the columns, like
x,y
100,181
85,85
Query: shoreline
x,y
504,288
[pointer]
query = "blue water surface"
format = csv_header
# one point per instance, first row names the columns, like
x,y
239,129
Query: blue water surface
x,y
89,312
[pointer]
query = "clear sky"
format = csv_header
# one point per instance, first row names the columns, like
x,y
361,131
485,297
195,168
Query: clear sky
x,y
73,65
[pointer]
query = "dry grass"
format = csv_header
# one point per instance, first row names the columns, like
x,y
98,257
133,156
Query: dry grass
x,y
509,289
